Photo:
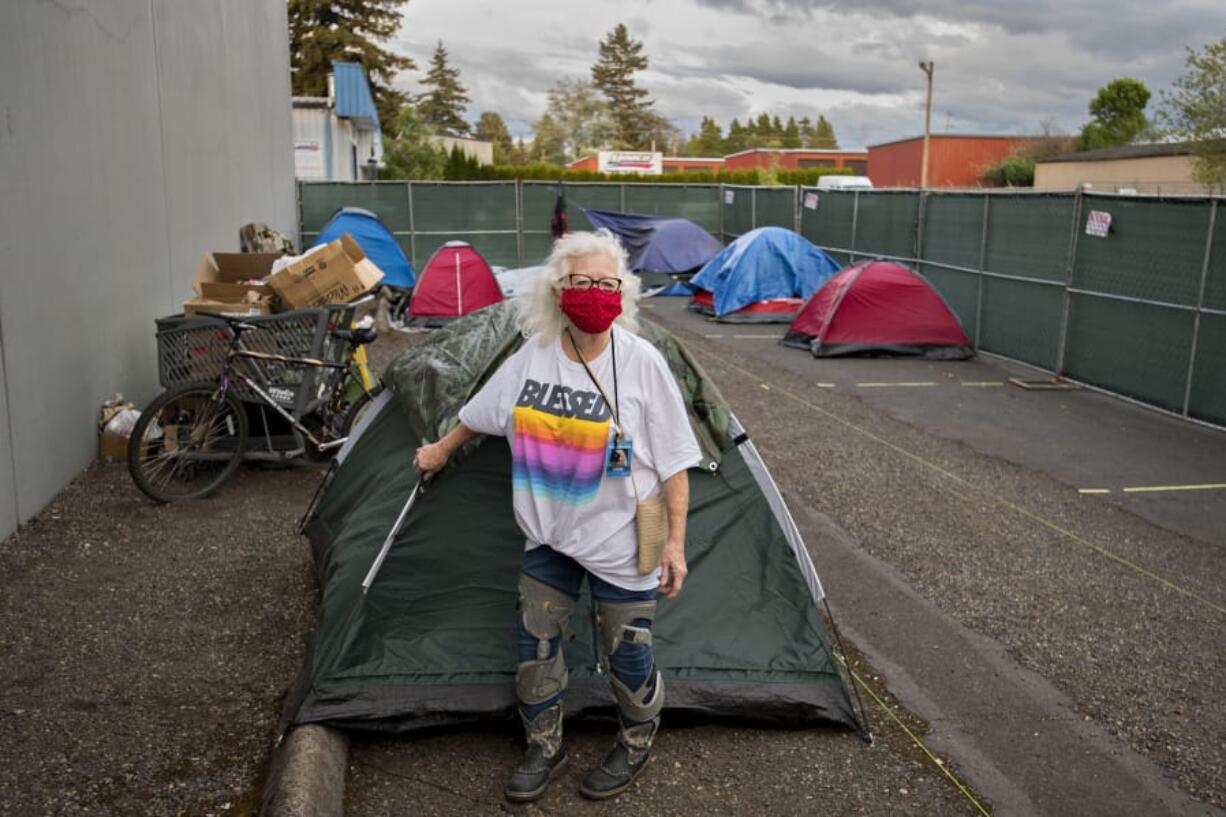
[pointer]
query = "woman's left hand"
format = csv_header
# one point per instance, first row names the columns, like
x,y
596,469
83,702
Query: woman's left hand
x,y
672,568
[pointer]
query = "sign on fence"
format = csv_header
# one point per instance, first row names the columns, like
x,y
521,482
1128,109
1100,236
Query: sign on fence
x,y
810,201
1098,223
630,161
729,196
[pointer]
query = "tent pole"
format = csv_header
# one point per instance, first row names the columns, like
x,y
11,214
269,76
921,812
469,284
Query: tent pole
x,y
866,731
391,536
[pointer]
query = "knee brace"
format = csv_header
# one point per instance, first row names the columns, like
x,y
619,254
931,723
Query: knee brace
x,y
616,628
546,615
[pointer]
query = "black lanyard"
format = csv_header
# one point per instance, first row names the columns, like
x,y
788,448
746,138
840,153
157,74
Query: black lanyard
x,y
615,408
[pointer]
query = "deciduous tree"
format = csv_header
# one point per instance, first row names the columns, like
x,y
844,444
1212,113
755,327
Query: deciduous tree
x,y
491,128
1196,111
410,150
1117,115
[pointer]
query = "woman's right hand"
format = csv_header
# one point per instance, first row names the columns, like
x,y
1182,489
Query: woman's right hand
x,y
430,459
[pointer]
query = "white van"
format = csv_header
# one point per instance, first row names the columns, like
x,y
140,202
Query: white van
x,y
844,183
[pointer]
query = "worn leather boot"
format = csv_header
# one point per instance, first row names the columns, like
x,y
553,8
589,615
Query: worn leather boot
x,y
625,762
542,761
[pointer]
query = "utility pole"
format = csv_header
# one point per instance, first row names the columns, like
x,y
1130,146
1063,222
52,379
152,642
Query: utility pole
x,y
926,67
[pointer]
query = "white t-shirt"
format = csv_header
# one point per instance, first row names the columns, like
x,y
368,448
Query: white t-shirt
x,y
559,428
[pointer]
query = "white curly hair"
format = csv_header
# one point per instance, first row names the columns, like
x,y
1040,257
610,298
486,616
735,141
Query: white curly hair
x,y
539,311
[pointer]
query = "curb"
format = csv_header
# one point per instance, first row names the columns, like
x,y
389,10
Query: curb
x,y
307,774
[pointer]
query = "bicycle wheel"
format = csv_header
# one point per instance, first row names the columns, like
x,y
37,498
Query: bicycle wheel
x,y
187,443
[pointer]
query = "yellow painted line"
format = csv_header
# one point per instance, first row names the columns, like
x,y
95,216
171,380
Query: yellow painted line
x,y
1153,489
1167,583
940,764
825,385
905,385
983,383
1093,490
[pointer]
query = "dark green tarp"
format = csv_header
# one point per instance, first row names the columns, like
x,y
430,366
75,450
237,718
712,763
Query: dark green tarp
x,y
434,640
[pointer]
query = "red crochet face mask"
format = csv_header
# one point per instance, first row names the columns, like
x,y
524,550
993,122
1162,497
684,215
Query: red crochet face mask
x,y
591,310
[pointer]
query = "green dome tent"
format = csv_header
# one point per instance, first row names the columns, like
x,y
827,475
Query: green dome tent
x,y
433,641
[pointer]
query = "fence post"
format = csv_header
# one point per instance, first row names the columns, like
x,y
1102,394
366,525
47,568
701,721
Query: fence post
x,y
917,246
855,218
719,192
622,199
519,222
753,208
796,208
1078,197
983,261
1200,305
408,192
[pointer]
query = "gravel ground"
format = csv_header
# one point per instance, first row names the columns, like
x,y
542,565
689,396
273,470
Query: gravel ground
x,y
147,649
1011,553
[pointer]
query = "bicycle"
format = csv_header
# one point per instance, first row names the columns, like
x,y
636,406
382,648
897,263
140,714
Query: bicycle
x,y
193,436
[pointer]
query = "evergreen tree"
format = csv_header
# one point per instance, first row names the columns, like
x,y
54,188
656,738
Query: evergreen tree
x,y
823,135
791,134
321,31
737,137
709,141
491,128
613,75
762,131
806,132
443,106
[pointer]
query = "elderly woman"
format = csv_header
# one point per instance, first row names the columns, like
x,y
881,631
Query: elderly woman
x,y
596,423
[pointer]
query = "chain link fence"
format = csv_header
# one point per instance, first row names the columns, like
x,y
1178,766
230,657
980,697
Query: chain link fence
x,y
1126,293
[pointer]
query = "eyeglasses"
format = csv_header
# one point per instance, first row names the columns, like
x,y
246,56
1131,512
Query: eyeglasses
x,y
584,283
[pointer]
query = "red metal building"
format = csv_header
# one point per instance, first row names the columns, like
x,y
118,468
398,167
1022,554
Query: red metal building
x,y
954,160
798,159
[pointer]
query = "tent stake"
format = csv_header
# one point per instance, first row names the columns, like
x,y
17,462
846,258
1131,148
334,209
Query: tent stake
x,y
391,535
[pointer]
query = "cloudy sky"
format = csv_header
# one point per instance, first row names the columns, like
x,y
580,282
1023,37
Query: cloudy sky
x,y
1002,66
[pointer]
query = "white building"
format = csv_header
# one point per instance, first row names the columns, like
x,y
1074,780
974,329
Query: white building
x,y
337,137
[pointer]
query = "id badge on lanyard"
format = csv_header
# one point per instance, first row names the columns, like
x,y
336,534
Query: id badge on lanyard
x,y
618,457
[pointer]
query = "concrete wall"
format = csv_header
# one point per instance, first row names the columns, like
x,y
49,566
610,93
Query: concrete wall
x,y
135,135
1148,174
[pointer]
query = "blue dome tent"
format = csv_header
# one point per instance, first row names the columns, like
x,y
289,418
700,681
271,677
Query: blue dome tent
x,y
658,243
375,240
765,275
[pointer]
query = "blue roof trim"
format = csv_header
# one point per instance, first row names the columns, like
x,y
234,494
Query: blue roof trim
x,y
353,97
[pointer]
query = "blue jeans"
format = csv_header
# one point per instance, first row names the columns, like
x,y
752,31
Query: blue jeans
x,y
631,663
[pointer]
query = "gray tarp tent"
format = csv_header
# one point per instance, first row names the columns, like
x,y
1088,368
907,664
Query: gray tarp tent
x,y
433,641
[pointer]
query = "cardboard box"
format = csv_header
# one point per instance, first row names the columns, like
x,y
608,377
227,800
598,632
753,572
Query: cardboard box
x,y
112,447
233,270
227,283
245,306
335,273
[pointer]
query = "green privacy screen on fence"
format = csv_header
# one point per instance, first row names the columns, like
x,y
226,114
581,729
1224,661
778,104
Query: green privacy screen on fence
x,y
1139,310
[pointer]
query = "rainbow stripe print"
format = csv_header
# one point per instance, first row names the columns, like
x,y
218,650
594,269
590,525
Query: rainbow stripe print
x,y
558,458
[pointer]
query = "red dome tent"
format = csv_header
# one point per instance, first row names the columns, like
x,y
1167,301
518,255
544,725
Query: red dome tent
x,y
455,281
878,307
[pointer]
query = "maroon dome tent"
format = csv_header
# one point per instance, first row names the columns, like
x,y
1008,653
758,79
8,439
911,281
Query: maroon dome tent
x,y
455,281
878,307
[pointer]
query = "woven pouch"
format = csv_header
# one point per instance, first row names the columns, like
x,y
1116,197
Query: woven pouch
x,y
651,522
